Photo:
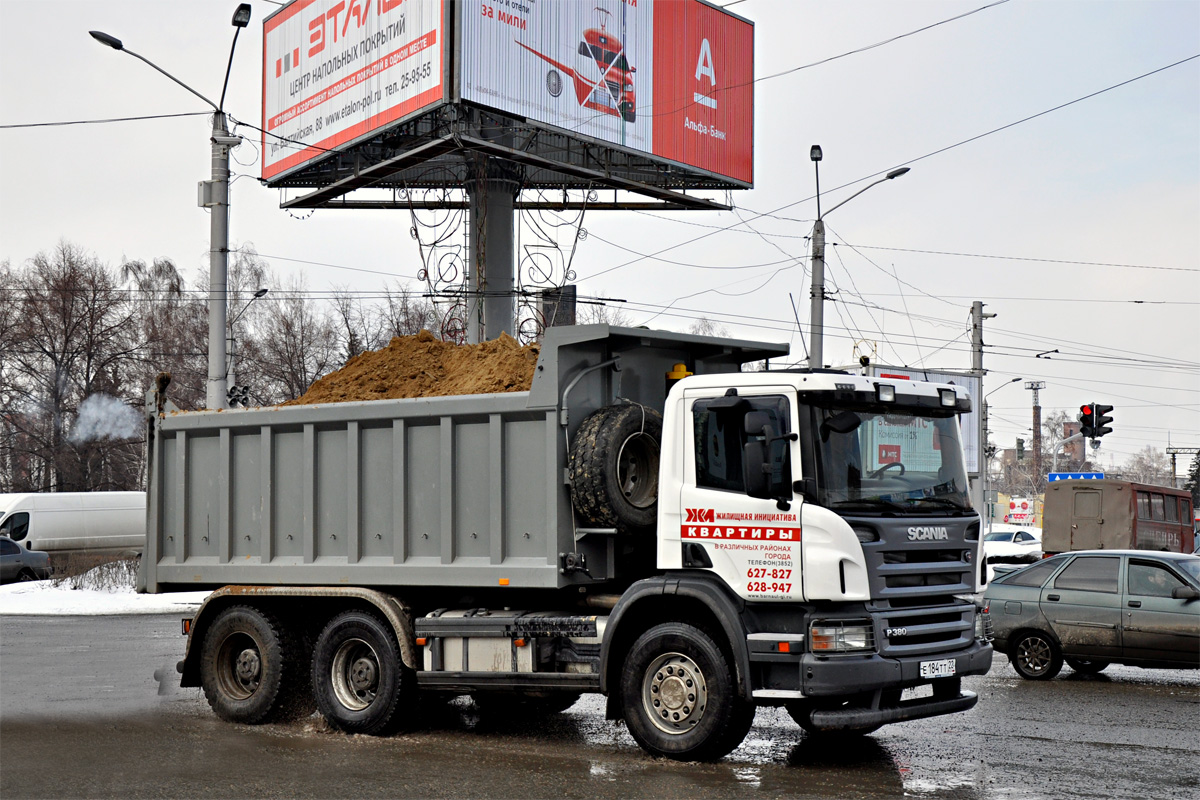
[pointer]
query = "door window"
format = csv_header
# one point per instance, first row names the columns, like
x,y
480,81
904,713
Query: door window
x,y
1143,500
1151,580
1157,507
1090,574
719,430
1087,504
1033,576
16,527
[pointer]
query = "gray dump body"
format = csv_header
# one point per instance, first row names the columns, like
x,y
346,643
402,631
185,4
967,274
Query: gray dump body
x,y
443,491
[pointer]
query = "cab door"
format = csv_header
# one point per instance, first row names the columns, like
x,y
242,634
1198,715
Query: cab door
x,y
1083,605
1157,625
751,542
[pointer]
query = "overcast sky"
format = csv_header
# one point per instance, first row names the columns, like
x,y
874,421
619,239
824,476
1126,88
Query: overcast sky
x,y
1080,228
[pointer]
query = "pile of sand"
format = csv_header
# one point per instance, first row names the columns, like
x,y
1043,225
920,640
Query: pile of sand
x,y
425,366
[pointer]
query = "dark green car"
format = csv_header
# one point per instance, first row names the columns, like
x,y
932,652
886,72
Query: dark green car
x,y
1098,607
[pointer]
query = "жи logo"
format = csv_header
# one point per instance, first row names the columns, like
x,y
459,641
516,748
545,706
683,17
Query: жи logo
x,y
700,515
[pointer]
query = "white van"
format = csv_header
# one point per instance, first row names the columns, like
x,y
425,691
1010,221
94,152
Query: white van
x,y
107,523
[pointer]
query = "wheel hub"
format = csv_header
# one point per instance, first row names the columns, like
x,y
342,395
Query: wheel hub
x,y
674,693
363,675
248,666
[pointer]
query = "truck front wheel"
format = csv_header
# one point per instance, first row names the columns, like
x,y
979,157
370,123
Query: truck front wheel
x,y
680,697
360,683
248,667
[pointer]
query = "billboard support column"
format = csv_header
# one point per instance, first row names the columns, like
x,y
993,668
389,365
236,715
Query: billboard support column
x,y
491,309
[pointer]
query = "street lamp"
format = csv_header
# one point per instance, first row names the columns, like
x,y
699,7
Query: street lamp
x,y
238,395
817,313
214,195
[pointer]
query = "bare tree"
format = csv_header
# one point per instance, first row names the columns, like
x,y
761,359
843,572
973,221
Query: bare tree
x,y
72,338
706,327
1148,465
599,312
172,327
406,313
297,345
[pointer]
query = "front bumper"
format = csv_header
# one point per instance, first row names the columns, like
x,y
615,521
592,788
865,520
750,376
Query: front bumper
x,y
859,717
842,675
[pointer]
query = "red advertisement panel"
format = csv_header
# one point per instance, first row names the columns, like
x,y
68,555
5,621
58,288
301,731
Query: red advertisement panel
x,y
704,88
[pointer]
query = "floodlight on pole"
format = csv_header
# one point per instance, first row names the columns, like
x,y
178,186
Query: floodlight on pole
x,y
237,395
214,195
817,295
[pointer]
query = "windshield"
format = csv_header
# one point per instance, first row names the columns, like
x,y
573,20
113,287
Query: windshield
x,y
1191,566
900,460
999,537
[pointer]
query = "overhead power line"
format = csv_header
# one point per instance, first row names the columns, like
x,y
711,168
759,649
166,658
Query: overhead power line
x,y
104,121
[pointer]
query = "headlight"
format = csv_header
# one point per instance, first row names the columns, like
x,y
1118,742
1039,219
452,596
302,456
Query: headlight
x,y
629,87
842,637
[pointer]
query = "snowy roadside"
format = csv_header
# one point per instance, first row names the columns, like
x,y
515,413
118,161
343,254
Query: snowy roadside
x,y
43,598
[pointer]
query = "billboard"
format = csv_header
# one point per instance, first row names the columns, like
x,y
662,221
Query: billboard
x,y
971,424
669,78
337,70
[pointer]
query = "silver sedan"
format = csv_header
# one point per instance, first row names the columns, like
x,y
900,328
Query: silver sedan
x,y
1096,607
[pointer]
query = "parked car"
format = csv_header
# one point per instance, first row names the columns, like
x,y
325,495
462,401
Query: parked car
x,y
1012,544
19,564
1096,607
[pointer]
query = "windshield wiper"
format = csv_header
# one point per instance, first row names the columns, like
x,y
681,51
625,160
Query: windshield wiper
x,y
868,502
941,501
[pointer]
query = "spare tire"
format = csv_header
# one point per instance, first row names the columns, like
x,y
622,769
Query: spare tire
x,y
614,467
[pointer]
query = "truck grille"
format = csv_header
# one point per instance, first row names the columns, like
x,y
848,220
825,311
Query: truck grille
x,y
905,572
918,631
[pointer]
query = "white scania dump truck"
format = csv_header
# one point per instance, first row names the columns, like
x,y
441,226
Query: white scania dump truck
x,y
691,548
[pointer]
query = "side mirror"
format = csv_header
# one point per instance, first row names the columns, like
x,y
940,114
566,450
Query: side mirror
x,y
841,422
1185,593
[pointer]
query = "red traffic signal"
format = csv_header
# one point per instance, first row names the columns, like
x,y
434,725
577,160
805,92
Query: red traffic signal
x,y
1087,420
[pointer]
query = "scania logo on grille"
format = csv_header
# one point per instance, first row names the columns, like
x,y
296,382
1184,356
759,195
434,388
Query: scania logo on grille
x,y
919,534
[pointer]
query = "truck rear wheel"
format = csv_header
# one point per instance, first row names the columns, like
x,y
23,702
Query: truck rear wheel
x,y
249,668
614,467
680,696
360,683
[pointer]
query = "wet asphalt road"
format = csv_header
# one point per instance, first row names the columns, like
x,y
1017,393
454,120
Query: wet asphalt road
x,y
83,715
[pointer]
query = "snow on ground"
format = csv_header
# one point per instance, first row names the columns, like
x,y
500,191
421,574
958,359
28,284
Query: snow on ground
x,y
44,598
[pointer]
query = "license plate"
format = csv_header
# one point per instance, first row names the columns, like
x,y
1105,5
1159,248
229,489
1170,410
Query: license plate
x,y
937,669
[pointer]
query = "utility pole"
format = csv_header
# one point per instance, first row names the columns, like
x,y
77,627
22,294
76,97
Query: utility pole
x,y
977,318
1178,451
1035,386
816,350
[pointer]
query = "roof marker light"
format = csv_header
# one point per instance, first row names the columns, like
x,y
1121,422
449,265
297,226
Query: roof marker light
x,y
885,392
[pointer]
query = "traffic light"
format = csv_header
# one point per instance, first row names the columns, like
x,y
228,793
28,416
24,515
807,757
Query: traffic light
x,y
1020,449
1093,420
1087,420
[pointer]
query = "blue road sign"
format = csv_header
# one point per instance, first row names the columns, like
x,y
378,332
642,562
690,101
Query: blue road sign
x,y
1075,476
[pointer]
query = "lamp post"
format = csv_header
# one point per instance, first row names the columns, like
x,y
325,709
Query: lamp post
x,y
817,312
237,395
214,195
